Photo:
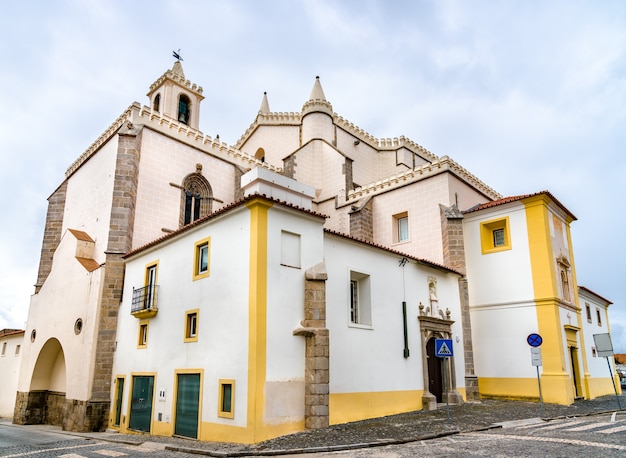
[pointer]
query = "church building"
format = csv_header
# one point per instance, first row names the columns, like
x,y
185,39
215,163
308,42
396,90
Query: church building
x,y
298,278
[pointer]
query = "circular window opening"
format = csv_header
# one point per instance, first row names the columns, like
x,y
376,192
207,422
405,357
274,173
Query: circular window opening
x,y
78,326
33,335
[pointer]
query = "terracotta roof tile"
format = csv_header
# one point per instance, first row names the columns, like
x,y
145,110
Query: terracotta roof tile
x,y
221,211
506,200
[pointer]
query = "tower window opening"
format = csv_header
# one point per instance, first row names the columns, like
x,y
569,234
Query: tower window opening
x,y
184,109
156,105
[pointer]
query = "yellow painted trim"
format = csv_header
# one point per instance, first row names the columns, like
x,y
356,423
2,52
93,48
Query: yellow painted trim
x,y
486,235
220,432
555,389
175,398
197,275
544,275
140,341
156,274
186,333
257,320
113,410
126,421
346,407
220,396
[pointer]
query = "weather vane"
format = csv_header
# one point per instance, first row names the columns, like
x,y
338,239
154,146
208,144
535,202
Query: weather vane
x,y
177,55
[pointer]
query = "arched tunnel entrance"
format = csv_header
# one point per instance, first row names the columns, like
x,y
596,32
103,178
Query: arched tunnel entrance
x,y
45,402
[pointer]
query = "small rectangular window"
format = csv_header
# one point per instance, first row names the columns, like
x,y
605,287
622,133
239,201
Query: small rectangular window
x,y
17,349
495,235
191,326
401,227
588,310
360,299
143,335
201,258
290,249
4,348
599,316
498,237
226,399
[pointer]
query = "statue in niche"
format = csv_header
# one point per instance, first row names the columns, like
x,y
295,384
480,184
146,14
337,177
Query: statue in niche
x,y
434,301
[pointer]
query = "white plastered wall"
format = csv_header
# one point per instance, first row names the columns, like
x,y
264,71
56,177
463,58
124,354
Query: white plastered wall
x,y
371,359
9,368
222,299
89,195
285,311
69,293
501,295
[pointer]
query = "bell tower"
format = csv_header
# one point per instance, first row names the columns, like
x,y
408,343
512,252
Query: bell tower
x,y
174,96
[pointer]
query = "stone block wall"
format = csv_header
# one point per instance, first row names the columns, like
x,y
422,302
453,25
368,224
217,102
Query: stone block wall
x,y
52,233
317,352
362,221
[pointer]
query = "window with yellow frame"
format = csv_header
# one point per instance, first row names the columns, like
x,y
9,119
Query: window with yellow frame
x,y
226,399
495,235
142,341
201,266
191,325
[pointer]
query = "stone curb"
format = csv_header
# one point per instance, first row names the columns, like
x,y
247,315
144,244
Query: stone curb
x,y
306,450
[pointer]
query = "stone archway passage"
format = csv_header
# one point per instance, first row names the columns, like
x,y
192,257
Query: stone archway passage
x,y
44,403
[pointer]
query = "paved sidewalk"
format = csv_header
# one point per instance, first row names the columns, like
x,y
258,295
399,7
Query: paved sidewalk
x,y
394,429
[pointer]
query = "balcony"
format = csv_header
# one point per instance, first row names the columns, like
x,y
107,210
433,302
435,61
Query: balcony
x,y
145,302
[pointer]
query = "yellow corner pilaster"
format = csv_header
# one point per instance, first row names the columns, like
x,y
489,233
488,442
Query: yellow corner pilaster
x,y
257,308
556,382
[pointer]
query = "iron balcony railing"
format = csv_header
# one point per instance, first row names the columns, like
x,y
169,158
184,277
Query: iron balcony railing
x,y
145,299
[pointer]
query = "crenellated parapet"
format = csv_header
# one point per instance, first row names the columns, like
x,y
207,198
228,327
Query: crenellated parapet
x,y
384,144
137,114
102,139
204,142
270,119
317,106
178,78
355,130
444,164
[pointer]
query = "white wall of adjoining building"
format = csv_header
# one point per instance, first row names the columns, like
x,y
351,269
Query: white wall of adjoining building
x,y
596,365
9,368
221,350
370,358
285,311
69,293
504,328
489,282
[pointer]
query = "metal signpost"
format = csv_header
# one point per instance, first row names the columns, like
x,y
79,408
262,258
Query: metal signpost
x,y
604,347
443,349
535,341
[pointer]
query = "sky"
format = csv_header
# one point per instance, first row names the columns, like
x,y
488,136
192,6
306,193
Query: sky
x,y
527,95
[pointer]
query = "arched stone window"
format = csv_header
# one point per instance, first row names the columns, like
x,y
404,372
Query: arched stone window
x,y
156,105
196,198
184,109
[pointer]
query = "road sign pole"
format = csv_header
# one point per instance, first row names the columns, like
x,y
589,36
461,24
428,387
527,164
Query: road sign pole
x,y
540,395
445,384
613,380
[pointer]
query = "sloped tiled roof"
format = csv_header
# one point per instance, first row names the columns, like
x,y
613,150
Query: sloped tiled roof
x,y
221,211
432,264
506,200
594,294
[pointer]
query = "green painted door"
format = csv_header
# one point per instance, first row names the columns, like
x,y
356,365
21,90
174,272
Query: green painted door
x,y
141,403
119,393
187,404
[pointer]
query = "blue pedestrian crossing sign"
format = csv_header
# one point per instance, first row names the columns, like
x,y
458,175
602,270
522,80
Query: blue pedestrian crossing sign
x,y
443,348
